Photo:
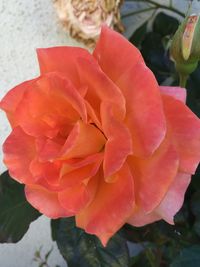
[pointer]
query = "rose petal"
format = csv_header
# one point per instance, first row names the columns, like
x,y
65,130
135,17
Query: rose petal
x,y
174,198
19,151
47,149
115,54
46,173
45,201
145,117
73,173
62,59
169,206
84,140
50,105
61,87
78,197
154,175
119,143
94,117
185,128
178,93
13,98
140,218
100,87
74,199
110,208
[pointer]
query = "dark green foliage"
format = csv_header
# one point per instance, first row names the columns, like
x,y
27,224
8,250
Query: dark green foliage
x,y
16,213
139,34
80,249
193,93
165,24
188,257
155,47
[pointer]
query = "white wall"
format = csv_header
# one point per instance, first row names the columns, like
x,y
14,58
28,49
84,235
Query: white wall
x,y
24,26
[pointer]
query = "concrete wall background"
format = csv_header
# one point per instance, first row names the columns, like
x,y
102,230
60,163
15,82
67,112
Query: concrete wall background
x,y
24,26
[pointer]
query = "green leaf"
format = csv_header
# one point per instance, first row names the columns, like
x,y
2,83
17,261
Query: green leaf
x,y
83,250
16,213
140,261
139,34
195,204
157,232
165,24
188,257
54,228
154,47
196,226
195,208
193,101
195,184
156,57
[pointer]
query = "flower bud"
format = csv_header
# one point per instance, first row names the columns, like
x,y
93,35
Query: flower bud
x,y
185,47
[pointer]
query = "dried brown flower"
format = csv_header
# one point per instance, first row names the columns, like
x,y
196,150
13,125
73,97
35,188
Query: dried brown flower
x,y
83,19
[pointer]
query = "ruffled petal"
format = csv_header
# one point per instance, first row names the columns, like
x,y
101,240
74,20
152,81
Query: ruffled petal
x,y
93,116
119,143
115,54
47,149
45,201
185,128
100,87
13,98
84,140
77,171
110,208
174,198
169,206
63,91
154,175
62,59
141,218
19,151
78,197
144,115
46,174
50,105
178,93
74,199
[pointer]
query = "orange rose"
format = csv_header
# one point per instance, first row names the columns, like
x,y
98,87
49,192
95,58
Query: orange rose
x,y
96,137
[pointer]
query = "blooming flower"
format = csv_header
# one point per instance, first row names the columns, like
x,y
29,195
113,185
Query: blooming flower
x,y
83,19
95,136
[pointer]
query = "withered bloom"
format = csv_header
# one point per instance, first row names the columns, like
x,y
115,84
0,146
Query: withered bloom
x,y
83,19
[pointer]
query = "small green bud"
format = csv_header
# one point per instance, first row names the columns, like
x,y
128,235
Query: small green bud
x,y
185,47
